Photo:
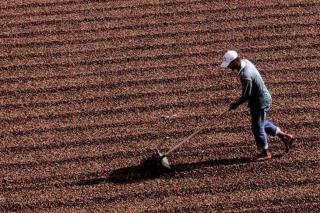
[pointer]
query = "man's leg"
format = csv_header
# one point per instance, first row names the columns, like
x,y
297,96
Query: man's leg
x,y
259,132
270,128
274,130
286,138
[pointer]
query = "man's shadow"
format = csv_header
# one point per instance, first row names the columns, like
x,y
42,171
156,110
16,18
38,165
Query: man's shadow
x,y
139,173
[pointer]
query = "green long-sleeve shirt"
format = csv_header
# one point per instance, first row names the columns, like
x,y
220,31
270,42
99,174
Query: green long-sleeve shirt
x,y
254,89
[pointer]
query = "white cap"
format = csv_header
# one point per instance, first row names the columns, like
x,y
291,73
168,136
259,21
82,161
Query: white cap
x,y
229,56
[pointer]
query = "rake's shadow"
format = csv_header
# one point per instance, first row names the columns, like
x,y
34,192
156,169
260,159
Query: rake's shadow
x,y
138,173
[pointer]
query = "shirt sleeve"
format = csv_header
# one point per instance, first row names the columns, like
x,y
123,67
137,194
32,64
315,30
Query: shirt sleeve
x,y
246,90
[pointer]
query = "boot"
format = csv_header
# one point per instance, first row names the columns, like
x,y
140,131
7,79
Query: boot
x,y
287,140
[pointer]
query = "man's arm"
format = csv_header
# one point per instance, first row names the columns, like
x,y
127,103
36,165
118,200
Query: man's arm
x,y
246,92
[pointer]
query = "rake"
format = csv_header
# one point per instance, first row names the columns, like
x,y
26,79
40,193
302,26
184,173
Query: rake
x,y
161,159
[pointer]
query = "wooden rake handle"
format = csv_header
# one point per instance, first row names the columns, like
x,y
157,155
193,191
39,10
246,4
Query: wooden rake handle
x,y
199,129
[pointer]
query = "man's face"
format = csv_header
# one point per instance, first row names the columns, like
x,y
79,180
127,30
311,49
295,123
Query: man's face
x,y
234,65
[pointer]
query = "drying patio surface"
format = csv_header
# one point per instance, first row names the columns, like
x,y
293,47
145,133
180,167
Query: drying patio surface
x,y
87,88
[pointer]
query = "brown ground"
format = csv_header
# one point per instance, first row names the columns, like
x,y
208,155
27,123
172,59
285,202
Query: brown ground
x,y
87,88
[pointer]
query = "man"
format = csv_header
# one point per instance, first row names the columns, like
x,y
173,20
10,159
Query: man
x,y
259,100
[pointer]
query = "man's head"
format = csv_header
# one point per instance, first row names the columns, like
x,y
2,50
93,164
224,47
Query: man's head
x,y
231,60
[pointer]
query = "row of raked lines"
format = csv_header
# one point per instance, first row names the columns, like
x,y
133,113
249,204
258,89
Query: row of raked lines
x,y
23,151
122,156
69,180
149,136
28,126
136,93
179,30
23,157
168,59
112,151
153,53
147,131
142,89
242,153
275,61
94,7
91,113
122,124
136,73
143,103
150,133
114,160
238,146
300,206
84,70
283,43
164,40
149,19
131,102
308,203
244,148
301,203
155,125
115,89
170,30
85,7
172,44
104,132
21,154
281,166
76,4
46,205
148,14
118,27
71,83
70,118
210,189
20,161
286,167
100,87
125,35
147,25
134,88
170,48
304,184
176,83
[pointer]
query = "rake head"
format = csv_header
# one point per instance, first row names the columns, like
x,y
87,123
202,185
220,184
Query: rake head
x,y
155,164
